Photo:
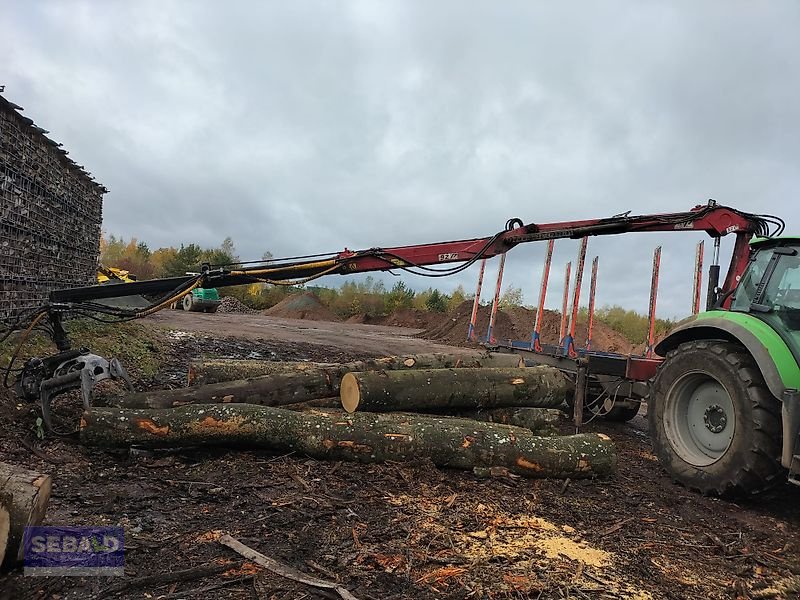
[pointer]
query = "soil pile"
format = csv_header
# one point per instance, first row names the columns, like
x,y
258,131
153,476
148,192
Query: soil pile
x,y
603,337
517,324
229,304
363,319
412,317
452,328
302,306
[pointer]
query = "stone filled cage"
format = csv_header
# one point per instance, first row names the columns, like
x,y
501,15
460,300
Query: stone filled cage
x,y
50,216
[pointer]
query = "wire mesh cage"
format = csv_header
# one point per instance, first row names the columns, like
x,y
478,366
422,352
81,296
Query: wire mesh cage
x,y
50,216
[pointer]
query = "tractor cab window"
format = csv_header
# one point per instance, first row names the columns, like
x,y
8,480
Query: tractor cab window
x,y
746,291
783,291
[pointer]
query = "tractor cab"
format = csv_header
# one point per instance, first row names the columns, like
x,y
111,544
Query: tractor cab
x,y
769,289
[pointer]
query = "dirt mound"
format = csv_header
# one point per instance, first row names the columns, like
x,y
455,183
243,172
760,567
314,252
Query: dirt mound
x,y
411,317
452,328
361,319
603,337
517,324
302,306
229,304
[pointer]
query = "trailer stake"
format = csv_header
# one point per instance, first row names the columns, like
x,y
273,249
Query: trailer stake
x,y
651,317
490,333
592,291
536,343
569,343
565,304
698,277
473,319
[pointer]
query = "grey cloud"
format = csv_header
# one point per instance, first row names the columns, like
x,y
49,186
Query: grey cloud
x,y
310,126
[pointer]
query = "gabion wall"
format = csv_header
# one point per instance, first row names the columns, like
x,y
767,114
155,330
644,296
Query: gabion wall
x,y
50,216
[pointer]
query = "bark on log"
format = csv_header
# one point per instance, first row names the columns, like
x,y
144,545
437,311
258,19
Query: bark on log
x,y
300,383
278,389
29,494
364,437
433,390
321,403
202,372
541,421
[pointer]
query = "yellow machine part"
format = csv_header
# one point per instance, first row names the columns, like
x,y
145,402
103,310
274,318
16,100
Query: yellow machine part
x,y
113,275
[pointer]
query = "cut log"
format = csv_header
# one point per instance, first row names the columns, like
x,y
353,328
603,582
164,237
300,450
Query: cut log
x,y
299,383
278,389
27,494
435,389
541,421
203,372
364,437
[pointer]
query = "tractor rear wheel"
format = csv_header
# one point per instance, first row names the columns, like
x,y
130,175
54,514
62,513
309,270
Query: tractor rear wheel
x,y
714,424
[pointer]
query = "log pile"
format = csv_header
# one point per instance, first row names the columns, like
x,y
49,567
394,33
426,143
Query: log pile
x,y
482,413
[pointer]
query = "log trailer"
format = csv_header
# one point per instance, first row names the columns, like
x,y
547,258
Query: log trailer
x,y
724,406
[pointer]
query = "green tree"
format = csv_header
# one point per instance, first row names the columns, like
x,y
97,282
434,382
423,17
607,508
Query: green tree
x,y
186,259
458,297
400,296
511,298
436,302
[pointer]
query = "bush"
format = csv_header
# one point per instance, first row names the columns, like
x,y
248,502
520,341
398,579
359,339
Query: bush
x,y
511,298
631,324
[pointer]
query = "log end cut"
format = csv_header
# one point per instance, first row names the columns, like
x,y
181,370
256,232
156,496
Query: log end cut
x,y
350,392
5,526
25,495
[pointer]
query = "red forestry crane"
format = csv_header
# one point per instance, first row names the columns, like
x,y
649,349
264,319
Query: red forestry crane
x,y
73,368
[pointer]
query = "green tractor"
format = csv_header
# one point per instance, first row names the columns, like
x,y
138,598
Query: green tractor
x,y
724,408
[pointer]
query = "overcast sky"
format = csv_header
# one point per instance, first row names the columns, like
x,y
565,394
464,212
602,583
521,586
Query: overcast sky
x,y
301,127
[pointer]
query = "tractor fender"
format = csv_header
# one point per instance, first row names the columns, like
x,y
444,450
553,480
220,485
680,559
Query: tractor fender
x,y
720,328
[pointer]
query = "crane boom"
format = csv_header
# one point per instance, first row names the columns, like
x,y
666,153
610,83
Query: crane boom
x,y
715,220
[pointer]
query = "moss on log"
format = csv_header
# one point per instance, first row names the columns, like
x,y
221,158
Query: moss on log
x,y
203,372
363,437
431,390
541,421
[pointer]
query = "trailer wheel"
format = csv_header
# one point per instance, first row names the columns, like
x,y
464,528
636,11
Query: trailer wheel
x,y
188,303
714,424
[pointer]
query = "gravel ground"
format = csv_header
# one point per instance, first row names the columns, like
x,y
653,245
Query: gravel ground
x,y
397,530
